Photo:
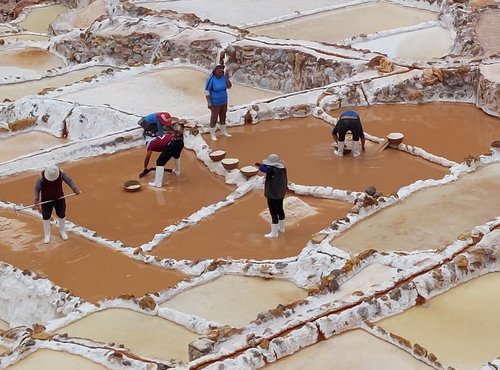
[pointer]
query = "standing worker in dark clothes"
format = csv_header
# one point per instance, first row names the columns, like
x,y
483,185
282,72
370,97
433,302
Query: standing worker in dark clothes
x,y
172,150
349,121
274,190
49,185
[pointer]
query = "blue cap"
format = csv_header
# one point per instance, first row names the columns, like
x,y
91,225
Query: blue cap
x,y
349,113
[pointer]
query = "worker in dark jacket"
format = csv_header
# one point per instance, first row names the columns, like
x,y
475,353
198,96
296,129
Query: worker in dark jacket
x,y
49,186
349,121
274,190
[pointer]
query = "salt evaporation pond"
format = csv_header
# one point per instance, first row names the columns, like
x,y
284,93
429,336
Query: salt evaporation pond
x,y
240,12
306,216
26,143
421,44
89,270
38,19
430,218
449,130
25,37
15,91
315,164
180,91
27,62
463,317
348,21
98,269
45,359
488,31
235,300
345,352
145,335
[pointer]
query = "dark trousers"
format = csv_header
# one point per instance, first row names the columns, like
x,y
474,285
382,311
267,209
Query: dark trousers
x,y
349,125
276,209
59,205
173,149
218,111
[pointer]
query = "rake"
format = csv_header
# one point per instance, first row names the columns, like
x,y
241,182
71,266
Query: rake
x,y
47,201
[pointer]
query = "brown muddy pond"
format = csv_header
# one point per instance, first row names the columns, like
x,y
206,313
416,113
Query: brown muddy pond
x,y
448,130
237,231
132,218
89,270
306,145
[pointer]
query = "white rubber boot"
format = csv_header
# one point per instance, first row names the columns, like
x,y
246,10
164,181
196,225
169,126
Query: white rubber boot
x,y
224,131
177,169
281,226
158,177
274,231
355,149
46,231
212,134
340,150
62,229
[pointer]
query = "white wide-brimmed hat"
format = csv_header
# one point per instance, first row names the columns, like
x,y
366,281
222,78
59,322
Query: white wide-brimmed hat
x,y
274,160
51,173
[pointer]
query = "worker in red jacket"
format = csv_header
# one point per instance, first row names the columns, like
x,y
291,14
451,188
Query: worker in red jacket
x,y
49,192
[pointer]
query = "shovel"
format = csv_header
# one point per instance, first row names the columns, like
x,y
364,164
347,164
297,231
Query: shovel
x,y
148,170
47,201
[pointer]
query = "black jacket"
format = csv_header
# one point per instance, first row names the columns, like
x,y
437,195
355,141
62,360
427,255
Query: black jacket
x,y
276,183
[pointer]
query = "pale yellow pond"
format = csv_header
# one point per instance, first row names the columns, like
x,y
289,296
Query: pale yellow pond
x,y
25,143
353,350
46,359
235,300
460,326
429,218
346,22
39,18
144,335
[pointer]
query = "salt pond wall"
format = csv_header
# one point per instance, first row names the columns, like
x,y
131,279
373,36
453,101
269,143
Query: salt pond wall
x,y
26,298
287,66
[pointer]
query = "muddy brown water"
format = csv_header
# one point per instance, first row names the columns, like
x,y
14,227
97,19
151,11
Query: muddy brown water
x,y
133,218
88,270
305,144
448,130
237,231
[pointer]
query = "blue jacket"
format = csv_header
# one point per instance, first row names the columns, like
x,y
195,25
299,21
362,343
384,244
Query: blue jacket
x,y
217,88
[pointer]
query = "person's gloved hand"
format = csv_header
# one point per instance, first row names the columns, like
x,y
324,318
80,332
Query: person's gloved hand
x,y
176,172
144,172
